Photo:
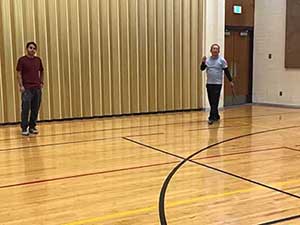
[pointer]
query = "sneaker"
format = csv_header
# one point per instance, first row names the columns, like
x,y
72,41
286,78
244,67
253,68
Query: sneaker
x,y
25,132
33,131
210,122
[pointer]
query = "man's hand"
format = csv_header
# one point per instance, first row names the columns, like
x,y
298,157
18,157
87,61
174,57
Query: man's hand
x,y
204,59
232,84
22,89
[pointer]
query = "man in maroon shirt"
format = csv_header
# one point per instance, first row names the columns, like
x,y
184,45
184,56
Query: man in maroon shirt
x,y
30,77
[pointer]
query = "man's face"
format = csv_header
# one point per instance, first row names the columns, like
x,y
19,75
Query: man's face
x,y
31,50
215,50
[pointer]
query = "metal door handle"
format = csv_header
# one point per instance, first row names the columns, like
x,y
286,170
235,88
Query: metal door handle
x,y
232,69
235,69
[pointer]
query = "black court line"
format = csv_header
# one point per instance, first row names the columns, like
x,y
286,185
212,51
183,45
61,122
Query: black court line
x,y
153,148
292,149
162,216
214,168
281,220
136,127
119,170
206,157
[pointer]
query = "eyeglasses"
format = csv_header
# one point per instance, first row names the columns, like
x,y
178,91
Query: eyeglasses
x,y
32,48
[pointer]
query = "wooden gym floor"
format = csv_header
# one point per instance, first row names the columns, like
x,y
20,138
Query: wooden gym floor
x,y
170,169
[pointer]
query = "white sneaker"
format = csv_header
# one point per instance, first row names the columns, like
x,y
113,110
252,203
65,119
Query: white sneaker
x,y
33,131
25,132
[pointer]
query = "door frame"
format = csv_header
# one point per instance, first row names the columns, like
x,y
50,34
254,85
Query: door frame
x,y
251,35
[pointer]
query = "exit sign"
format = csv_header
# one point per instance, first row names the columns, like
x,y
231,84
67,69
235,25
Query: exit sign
x,y
237,9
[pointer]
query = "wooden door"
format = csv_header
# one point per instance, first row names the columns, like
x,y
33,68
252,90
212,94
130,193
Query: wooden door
x,y
238,53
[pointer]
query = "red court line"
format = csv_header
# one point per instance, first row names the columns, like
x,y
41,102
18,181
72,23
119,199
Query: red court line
x,y
134,127
72,142
215,128
84,175
239,153
143,135
124,169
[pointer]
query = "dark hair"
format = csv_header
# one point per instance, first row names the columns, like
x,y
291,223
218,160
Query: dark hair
x,y
215,44
31,43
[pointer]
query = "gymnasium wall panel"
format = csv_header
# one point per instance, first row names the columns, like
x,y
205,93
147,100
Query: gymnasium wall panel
x,y
104,57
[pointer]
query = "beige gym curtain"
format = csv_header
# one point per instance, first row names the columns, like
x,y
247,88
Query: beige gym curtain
x,y
104,57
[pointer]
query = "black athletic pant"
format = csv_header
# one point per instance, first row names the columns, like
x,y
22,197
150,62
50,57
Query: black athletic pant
x,y
213,92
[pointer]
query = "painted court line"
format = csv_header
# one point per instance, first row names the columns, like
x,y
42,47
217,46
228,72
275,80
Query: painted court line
x,y
126,169
153,208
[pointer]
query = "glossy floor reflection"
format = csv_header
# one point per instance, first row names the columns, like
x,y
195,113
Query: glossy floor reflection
x,y
110,171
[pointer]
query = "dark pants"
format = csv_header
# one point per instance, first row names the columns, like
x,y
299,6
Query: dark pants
x,y
31,99
213,92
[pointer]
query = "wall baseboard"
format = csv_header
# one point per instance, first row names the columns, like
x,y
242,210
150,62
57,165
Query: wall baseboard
x,y
277,105
110,116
